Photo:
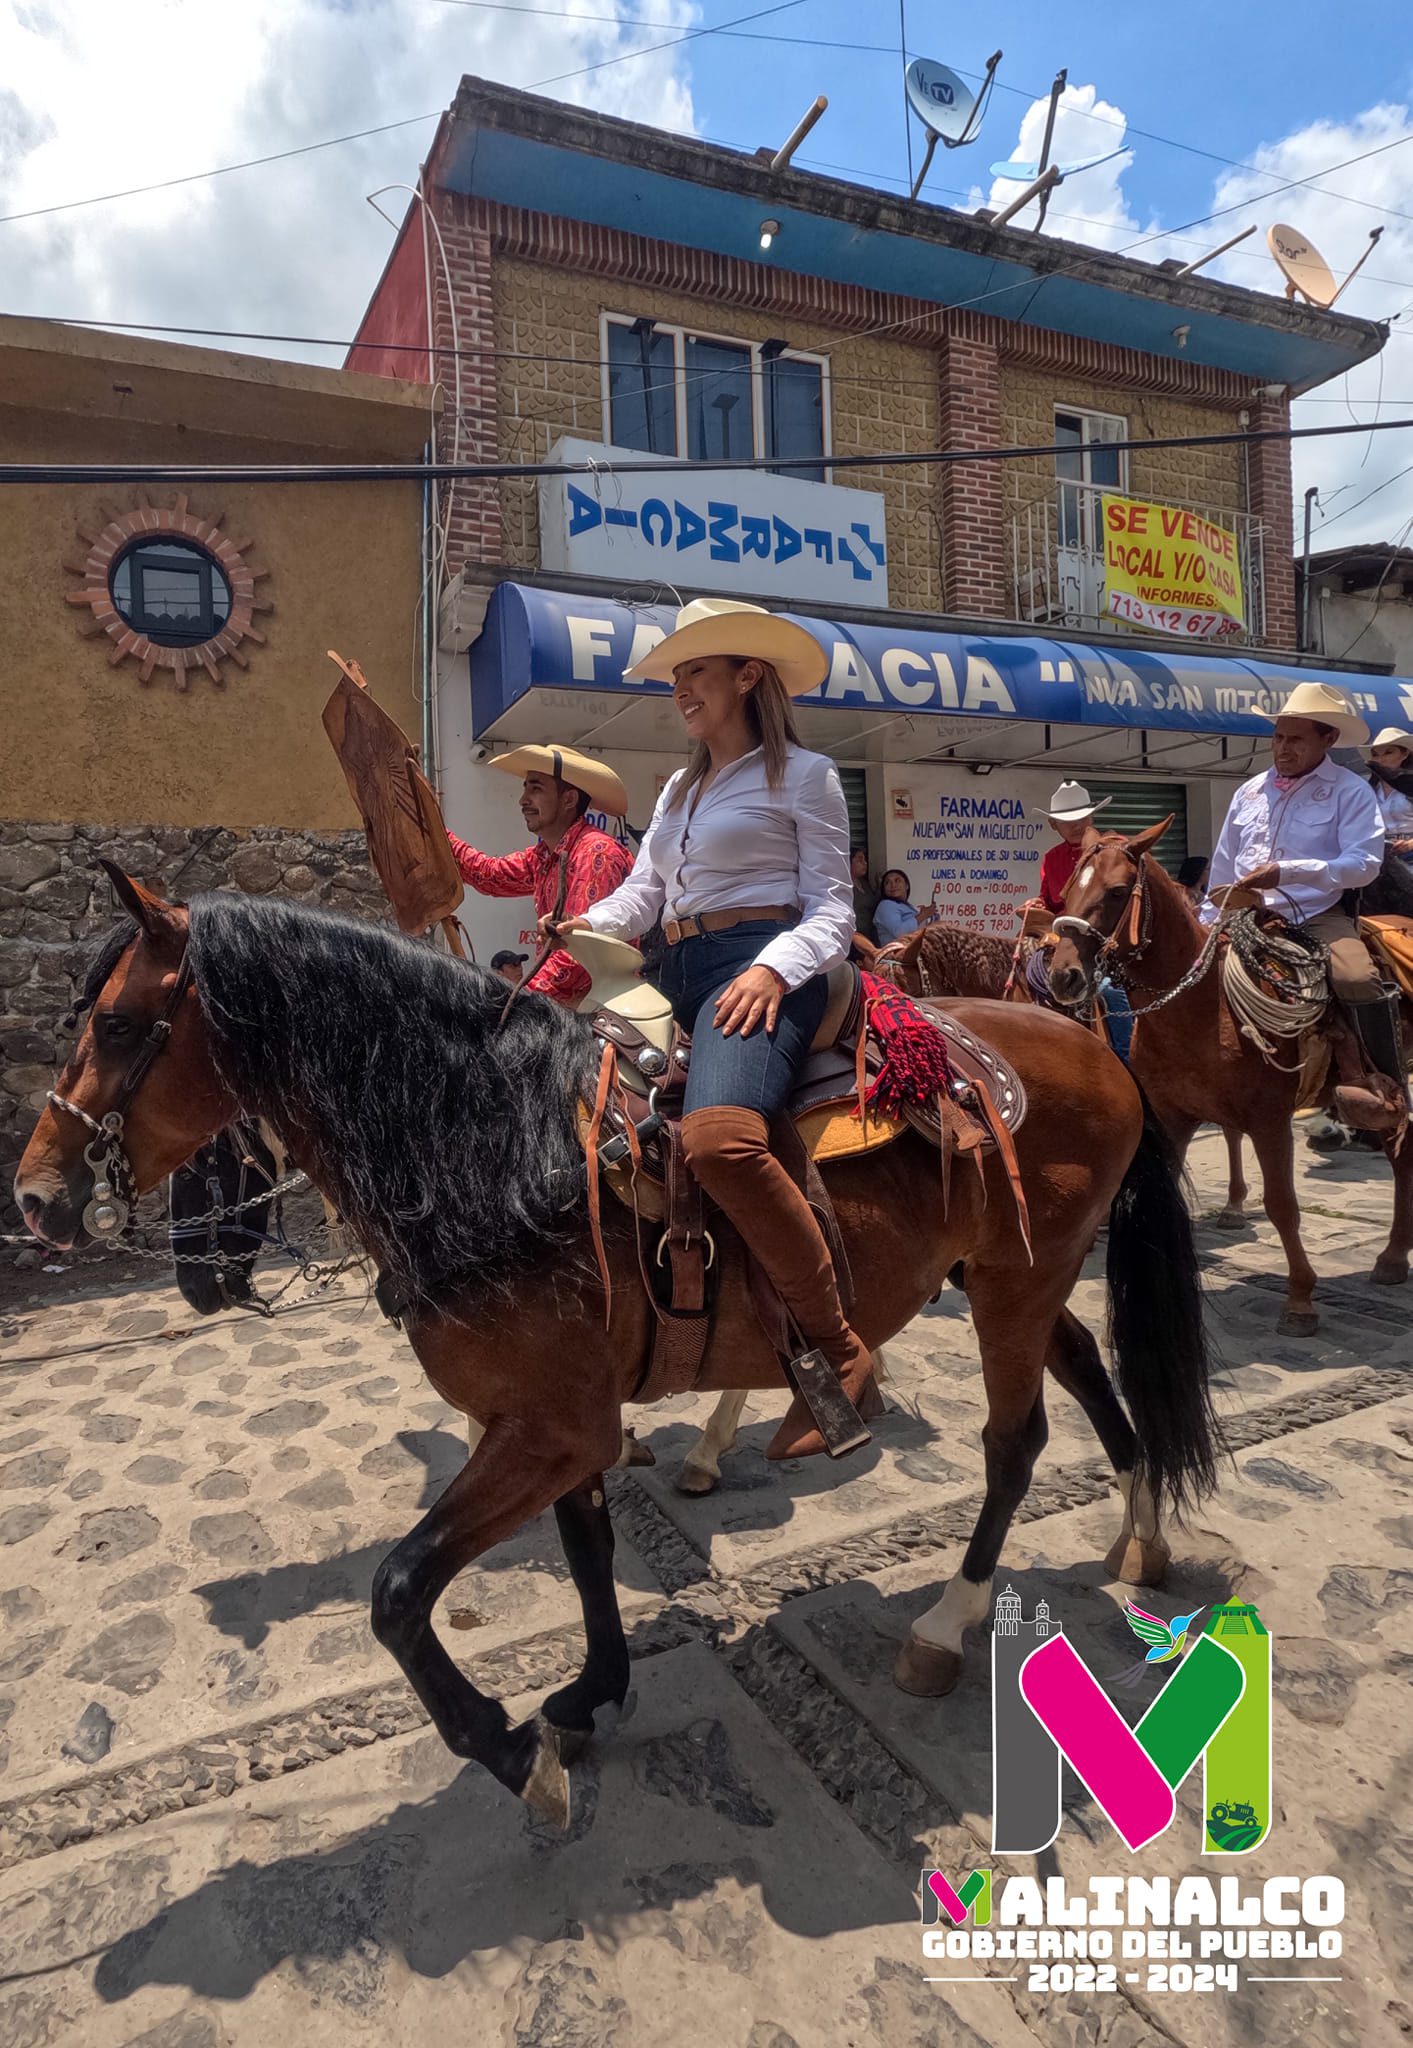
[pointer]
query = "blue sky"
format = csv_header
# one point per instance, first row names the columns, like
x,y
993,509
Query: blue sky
x,y
293,248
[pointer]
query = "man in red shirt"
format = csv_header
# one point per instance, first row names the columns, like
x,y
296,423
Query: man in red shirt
x,y
1071,809
572,863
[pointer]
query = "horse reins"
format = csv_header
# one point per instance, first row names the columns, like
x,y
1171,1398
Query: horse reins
x,y
114,1191
551,944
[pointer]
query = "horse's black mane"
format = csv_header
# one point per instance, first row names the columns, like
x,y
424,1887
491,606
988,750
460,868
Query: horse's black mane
x,y
1390,894
451,1148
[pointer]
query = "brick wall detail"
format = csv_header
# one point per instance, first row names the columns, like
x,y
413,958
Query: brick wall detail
x,y
971,492
1271,501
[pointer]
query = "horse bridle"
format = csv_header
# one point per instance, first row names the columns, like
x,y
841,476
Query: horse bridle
x,y
1139,912
114,1191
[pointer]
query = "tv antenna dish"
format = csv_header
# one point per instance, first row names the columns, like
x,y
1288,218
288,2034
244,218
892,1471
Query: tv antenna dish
x,y
1305,270
946,106
1026,174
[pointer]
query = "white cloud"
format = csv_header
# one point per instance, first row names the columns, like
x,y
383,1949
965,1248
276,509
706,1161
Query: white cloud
x,y
96,97
1093,208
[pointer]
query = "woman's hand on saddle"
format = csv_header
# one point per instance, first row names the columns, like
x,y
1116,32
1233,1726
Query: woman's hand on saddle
x,y
753,998
550,928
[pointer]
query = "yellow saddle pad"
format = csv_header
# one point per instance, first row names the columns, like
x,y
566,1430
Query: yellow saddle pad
x,y
1392,941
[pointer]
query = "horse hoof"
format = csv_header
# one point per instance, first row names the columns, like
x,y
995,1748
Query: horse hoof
x,y
546,1790
1230,1219
692,1479
1390,1271
921,1668
1298,1322
1135,1563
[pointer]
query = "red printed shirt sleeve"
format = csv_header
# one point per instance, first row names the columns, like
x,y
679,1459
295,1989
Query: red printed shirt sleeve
x,y
598,866
511,874
1055,872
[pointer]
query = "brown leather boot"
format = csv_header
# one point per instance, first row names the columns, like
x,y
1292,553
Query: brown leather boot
x,y
729,1152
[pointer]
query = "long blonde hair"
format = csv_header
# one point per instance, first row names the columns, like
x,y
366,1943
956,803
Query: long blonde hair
x,y
771,718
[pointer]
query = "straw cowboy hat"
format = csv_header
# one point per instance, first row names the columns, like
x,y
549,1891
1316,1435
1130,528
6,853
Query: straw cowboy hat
x,y
1326,706
723,625
1071,802
566,764
1391,737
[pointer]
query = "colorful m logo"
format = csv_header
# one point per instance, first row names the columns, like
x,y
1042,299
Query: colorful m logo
x,y
940,1901
1047,1704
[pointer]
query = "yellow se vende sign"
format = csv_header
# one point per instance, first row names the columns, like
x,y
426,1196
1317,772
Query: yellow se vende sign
x,y
1171,571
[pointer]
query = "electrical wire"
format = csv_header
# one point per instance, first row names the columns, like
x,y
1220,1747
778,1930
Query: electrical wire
x,y
1289,185
672,43
417,472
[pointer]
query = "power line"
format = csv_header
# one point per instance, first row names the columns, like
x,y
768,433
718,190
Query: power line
x,y
454,472
1335,517
672,43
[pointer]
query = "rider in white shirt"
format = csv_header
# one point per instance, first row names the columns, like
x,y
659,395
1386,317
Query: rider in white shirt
x,y
1302,833
746,860
1391,779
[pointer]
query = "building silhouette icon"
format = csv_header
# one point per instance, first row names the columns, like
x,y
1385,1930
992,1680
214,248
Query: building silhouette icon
x,y
1025,1764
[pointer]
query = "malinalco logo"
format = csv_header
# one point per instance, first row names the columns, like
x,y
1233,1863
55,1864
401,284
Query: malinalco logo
x,y
1046,1704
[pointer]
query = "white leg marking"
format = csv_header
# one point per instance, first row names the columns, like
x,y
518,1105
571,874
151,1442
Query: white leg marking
x,y
718,1436
961,1607
1140,1509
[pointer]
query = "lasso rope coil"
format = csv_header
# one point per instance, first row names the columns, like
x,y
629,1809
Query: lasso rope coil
x,y
1289,961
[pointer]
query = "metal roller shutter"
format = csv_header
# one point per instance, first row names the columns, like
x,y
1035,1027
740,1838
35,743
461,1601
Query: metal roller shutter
x,y
855,781
1134,806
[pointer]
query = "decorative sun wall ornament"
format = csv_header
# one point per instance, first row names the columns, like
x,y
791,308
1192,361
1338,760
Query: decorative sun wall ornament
x,y
169,588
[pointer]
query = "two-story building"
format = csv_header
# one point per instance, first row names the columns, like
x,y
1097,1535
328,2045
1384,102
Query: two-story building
x,y
605,304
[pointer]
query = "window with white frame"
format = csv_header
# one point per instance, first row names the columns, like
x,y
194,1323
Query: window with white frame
x,y
1087,465
673,391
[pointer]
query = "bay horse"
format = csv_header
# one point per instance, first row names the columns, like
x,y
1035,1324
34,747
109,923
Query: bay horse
x,y
450,1145
1125,914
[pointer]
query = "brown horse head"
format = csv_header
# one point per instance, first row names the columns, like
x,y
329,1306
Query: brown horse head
x,y
178,1101
1103,909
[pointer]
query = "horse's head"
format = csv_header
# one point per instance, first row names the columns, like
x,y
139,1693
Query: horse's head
x,y
1103,910
899,964
139,1092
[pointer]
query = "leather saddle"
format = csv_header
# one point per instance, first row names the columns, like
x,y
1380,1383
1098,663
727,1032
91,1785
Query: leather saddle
x,y
632,1138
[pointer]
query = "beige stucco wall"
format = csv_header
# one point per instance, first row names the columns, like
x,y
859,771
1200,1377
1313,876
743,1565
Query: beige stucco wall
x,y
85,741
884,395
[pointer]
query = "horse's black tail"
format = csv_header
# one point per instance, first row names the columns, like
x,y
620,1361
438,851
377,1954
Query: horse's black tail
x,y
1156,1333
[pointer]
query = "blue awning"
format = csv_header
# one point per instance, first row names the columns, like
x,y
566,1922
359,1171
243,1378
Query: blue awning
x,y
537,639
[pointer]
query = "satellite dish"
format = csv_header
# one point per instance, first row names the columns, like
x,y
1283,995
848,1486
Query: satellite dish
x,y
1303,267
1026,174
941,101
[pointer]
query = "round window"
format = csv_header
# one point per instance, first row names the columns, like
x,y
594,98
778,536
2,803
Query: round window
x,y
172,591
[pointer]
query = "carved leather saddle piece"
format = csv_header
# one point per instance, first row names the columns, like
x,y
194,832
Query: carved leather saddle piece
x,y
631,1137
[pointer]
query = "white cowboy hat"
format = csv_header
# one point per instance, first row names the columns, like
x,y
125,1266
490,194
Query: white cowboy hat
x,y
566,764
1326,706
1072,801
1391,736
724,625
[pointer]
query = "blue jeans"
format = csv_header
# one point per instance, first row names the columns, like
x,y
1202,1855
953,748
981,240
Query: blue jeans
x,y
1118,1015
747,1073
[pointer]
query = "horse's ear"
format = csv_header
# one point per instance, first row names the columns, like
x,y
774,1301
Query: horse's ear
x,y
152,914
1144,842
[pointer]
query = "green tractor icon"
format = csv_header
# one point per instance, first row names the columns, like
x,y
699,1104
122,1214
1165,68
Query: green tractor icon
x,y
1233,1826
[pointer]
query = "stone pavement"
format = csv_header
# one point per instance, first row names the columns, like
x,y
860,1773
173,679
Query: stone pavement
x,y
223,1820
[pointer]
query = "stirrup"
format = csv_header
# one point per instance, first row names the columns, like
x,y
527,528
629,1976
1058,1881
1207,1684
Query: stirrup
x,y
822,1391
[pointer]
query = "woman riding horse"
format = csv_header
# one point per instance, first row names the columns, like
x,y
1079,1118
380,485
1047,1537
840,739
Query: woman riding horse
x,y
747,862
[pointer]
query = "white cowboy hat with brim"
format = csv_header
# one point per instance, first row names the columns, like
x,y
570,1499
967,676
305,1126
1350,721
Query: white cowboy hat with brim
x,y
724,625
1326,705
1071,802
566,764
1391,736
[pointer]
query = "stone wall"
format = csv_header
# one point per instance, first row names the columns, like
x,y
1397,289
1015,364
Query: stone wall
x,y
56,902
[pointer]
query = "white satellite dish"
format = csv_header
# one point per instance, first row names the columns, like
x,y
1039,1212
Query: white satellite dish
x,y
1302,266
941,101
1026,174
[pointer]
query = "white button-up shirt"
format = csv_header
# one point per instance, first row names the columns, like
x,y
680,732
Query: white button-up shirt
x,y
746,845
1325,833
1396,810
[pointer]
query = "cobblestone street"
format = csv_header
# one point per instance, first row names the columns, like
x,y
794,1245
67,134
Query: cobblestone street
x,y
224,1822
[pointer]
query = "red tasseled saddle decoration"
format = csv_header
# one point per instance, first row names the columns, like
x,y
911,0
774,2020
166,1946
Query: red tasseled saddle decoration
x,y
915,1063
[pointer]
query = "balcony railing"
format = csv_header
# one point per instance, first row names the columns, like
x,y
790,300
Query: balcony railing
x,y
1057,561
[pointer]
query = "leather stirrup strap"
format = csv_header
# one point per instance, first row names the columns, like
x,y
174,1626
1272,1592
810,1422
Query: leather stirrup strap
x,y
607,1074
1005,1146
